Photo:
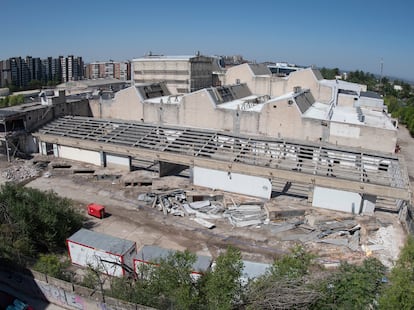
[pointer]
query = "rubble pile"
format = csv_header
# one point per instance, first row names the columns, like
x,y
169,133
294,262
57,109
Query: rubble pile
x,y
20,172
344,233
176,203
246,215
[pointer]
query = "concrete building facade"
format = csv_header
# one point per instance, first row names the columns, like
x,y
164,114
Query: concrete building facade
x,y
181,74
108,69
302,106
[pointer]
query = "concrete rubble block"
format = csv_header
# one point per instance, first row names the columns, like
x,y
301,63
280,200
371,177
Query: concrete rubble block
x,y
204,223
334,241
281,214
354,242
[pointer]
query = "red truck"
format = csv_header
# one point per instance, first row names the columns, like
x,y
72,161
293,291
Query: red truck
x,y
96,210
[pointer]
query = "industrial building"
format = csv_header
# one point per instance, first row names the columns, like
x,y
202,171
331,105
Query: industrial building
x,y
181,74
301,106
249,165
259,136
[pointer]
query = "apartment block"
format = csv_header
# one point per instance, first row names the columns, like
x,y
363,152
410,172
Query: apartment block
x,y
20,71
108,69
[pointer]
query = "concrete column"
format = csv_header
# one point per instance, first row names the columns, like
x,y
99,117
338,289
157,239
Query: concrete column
x,y
103,159
42,148
55,150
368,204
310,195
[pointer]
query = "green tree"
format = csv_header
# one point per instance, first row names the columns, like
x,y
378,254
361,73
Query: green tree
x,y
221,288
329,74
353,287
399,294
34,222
15,100
170,284
50,264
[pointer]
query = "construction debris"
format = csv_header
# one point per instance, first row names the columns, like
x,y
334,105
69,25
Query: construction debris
x,y
22,171
176,203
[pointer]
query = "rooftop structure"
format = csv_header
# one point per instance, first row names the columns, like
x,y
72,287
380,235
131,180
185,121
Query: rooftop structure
x,y
181,74
355,170
101,241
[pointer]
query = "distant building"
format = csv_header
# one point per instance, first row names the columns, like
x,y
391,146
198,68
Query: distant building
x,y
18,71
282,68
181,74
108,69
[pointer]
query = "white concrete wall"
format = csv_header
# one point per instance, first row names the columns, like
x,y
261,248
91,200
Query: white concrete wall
x,y
84,256
232,182
113,161
338,200
73,153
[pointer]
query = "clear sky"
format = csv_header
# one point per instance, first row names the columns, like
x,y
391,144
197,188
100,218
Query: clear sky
x,y
350,35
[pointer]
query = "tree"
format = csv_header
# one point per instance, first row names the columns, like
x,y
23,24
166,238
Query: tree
x,y
353,287
39,221
50,264
221,288
399,294
287,284
170,284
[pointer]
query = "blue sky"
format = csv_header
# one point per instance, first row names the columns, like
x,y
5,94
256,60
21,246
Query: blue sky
x,y
348,34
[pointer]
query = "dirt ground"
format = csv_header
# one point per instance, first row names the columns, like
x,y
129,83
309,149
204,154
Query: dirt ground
x,y
134,220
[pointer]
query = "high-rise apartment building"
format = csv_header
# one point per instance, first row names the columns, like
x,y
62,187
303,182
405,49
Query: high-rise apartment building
x,y
18,71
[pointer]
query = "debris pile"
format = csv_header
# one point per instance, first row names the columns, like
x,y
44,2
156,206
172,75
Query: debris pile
x,y
176,203
246,215
336,232
385,245
21,172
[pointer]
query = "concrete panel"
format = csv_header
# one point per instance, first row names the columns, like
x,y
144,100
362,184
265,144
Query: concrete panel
x,y
73,153
338,200
120,162
232,182
344,130
368,205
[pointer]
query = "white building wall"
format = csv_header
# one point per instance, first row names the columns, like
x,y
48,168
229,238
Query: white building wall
x,y
337,200
83,256
232,182
122,162
73,153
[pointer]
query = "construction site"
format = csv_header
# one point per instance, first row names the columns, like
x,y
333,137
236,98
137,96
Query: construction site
x,y
180,187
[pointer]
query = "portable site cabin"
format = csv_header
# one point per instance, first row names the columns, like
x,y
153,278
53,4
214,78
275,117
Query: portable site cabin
x,y
253,270
151,255
96,210
110,255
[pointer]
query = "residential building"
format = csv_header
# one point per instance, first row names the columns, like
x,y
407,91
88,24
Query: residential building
x,y
108,69
20,71
181,74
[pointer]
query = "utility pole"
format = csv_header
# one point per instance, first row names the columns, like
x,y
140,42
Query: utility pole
x,y
381,70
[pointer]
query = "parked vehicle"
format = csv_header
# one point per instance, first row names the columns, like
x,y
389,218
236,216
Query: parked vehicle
x,y
10,302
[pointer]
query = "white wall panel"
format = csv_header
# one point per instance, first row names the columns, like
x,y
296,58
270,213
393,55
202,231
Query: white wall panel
x,y
113,161
232,182
73,153
84,256
338,200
